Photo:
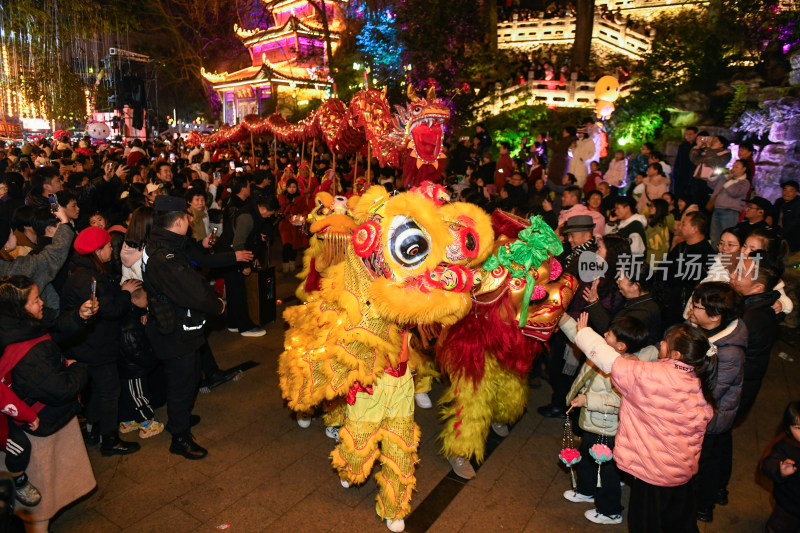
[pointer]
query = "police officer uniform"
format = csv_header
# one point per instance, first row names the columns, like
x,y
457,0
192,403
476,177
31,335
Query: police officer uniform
x,y
179,299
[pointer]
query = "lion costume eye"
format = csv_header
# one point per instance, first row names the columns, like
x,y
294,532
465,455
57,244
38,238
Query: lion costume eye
x,y
409,244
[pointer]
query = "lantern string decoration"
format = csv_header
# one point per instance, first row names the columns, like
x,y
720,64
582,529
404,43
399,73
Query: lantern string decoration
x,y
569,455
600,452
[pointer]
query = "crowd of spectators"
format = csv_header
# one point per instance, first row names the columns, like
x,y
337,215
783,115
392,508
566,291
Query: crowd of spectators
x,y
511,11
687,240
114,255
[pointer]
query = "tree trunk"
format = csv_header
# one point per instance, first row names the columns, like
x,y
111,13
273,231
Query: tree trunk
x,y
490,7
714,14
582,45
323,14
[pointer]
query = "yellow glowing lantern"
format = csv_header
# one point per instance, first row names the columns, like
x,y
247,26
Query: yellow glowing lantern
x,y
606,91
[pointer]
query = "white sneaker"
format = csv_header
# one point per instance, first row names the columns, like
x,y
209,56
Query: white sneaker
x,y
233,330
593,516
303,422
344,483
255,332
332,432
577,497
500,429
422,400
396,525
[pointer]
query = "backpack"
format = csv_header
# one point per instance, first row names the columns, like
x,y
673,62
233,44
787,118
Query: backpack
x,y
12,355
160,307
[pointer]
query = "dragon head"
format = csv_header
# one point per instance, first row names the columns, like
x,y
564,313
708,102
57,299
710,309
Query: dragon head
x,y
420,125
524,266
419,253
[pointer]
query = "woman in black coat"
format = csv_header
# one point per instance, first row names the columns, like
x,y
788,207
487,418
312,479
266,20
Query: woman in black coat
x,y
717,309
43,374
98,346
44,383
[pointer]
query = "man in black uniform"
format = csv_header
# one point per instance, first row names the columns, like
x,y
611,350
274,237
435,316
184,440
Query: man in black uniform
x,y
179,299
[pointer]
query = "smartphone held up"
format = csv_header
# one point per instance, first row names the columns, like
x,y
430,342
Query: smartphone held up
x,y
53,203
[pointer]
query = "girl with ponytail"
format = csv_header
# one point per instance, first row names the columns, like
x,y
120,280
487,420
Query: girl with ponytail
x,y
666,406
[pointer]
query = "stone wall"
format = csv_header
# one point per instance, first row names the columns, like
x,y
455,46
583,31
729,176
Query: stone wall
x,y
779,161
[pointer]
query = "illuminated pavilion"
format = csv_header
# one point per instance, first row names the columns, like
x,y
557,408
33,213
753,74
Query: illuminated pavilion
x,y
289,61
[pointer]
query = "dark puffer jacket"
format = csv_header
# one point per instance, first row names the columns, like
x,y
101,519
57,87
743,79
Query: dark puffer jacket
x,y
762,328
786,489
731,343
42,374
137,358
644,308
99,343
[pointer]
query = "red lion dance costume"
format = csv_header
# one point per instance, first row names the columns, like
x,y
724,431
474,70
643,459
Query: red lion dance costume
x,y
489,353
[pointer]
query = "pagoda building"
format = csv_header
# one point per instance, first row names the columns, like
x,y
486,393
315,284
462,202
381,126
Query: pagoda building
x,y
289,59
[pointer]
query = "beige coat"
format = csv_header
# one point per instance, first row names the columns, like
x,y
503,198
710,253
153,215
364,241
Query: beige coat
x,y
60,469
601,414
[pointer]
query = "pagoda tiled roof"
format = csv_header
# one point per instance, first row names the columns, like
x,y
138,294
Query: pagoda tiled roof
x,y
284,71
292,25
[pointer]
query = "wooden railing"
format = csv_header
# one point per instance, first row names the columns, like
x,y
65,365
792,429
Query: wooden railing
x,y
540,92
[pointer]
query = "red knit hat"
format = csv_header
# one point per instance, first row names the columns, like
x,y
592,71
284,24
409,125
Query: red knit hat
x,y
91,239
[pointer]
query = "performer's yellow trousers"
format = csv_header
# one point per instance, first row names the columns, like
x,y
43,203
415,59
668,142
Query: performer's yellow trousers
x,y
423,383
469,408
381,426
335,411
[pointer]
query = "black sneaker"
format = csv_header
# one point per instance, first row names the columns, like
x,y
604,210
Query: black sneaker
x,y
552,411
113,445
218,378
91,438
187,447
722,497
705,515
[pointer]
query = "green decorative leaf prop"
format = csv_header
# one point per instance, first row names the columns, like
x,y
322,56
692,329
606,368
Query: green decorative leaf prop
x,y
535,243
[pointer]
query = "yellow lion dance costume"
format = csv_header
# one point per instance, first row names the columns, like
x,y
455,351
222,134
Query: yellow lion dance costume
x,y
410,263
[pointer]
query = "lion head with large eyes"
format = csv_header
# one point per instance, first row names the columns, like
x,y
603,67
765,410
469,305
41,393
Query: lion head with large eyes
x,y
419,253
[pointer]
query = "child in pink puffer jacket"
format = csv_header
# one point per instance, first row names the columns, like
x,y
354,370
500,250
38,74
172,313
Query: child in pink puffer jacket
x,y
665,408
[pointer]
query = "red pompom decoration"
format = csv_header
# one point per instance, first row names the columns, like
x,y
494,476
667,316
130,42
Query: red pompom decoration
x,y
366,238
555,269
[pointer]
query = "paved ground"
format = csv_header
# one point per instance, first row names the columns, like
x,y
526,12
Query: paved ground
x,y
264,473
